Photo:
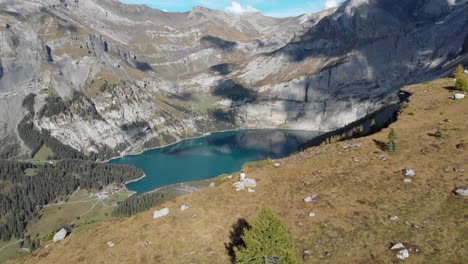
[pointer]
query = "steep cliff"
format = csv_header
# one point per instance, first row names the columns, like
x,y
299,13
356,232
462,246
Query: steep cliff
x,y
110,78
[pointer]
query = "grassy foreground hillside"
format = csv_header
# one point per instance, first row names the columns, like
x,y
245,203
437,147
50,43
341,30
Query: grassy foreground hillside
x,y
357,194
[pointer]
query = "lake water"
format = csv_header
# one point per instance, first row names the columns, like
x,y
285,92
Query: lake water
x,y
210,156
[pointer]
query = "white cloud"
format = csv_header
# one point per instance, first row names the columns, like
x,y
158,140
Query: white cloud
x,y
237,9
331,3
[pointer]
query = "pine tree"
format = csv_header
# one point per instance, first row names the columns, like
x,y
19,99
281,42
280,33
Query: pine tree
x,y
266,241
461,83
392,144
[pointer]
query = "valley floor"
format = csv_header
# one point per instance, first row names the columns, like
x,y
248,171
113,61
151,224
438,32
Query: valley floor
x,y
357,192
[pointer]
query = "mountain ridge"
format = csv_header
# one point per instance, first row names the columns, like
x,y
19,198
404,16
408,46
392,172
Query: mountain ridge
x,y
155,77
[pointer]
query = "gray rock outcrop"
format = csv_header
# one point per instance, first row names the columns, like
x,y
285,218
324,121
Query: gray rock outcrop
x,y
130,76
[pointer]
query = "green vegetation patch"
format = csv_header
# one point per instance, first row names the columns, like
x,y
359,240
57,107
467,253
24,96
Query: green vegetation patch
x,y
44,153
204,104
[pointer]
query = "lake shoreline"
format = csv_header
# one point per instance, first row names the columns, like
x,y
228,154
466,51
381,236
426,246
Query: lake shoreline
x,y
209,134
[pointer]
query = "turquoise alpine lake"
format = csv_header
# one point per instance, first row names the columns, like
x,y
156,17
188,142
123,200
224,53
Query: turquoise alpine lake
x,y
210,156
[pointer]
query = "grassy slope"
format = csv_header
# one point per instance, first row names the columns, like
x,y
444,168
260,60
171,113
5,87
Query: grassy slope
x,y
44,153
352,213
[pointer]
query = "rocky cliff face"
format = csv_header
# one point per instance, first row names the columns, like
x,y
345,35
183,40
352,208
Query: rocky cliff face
x,y
109,76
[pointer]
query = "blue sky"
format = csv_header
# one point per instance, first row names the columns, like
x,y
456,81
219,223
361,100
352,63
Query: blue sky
x,y
275,8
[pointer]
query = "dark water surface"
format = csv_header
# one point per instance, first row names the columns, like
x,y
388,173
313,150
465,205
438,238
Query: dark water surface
x,y
210,156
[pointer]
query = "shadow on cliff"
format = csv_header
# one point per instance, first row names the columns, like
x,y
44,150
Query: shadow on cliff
x,y
209,41
222,69
234,91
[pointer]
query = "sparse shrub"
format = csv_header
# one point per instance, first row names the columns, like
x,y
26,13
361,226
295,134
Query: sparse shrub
x,y
440,134
461,83
266,241
391,145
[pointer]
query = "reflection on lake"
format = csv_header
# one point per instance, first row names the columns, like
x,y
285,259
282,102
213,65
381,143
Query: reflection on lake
x,y
210,156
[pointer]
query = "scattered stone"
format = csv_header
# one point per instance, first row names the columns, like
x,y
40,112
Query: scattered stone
x,y
408,223
409,173
250,190
311,198
160,213
407,180
277,165
147,243
403,254
397,246
382,157
461,191
462,146
245,183
458,170
110,244
458,96
356,160
393,217
194,216
60,235
212,185
327,254
250,182
183,207
346,146
306,254
311,214
356,145
416,226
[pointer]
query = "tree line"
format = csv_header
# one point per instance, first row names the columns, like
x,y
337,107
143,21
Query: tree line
x,y
137,204
22,195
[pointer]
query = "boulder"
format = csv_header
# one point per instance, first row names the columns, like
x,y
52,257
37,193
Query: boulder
x,y
110,244
183,207
403,254
251,191
462,191
382,157
397,246
60,235
250,182
458,96
277,165
410,173
393,218
212,185
407,181
311,214
311,198
240,185
160,213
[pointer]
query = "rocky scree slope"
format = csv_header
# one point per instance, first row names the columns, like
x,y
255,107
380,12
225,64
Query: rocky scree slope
x,y
110,78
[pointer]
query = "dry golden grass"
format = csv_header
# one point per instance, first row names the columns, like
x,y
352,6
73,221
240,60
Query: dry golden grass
x,y
351,215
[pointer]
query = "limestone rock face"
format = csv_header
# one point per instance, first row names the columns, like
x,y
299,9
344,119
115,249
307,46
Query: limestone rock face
x,y
130,76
